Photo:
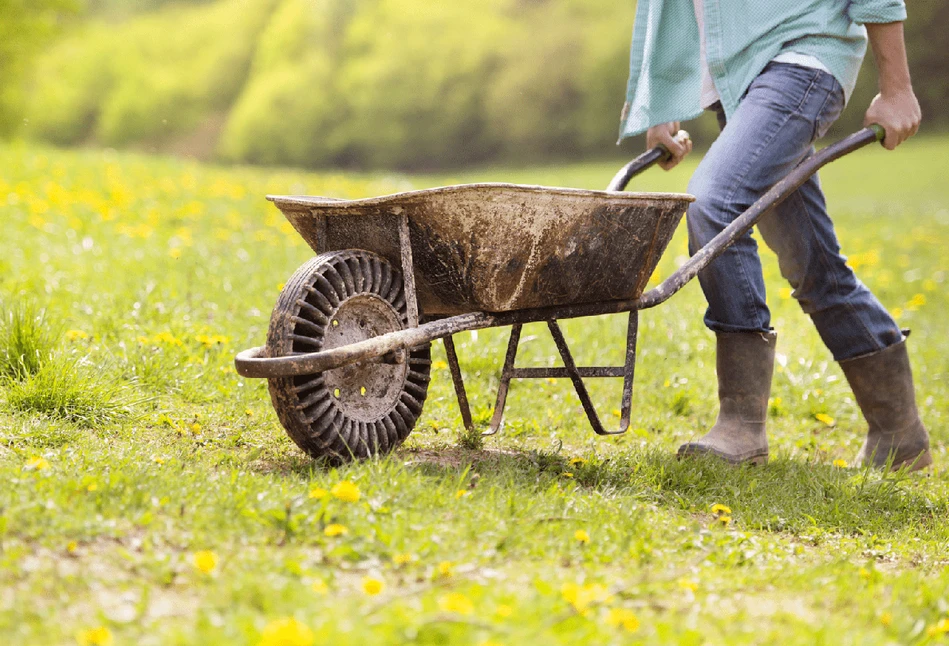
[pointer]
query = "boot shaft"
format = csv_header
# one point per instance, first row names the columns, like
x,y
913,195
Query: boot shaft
x,y
882,384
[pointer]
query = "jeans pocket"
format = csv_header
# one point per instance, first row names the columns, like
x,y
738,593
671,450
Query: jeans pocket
x,y
830,110
783,87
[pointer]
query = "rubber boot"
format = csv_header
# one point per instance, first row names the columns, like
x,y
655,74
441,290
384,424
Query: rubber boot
x,y
882,383
744,363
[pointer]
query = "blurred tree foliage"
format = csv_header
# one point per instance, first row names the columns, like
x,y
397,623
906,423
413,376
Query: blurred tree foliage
x,y
25,25
372,83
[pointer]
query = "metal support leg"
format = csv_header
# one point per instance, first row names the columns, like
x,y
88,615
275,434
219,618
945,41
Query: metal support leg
x,y
629,370
458,381
571,371
506,373
577,380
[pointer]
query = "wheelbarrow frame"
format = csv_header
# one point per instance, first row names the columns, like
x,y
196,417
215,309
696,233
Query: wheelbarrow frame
x,y
392,347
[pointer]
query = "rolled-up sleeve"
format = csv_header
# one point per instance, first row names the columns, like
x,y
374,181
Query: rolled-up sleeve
x,y
876,11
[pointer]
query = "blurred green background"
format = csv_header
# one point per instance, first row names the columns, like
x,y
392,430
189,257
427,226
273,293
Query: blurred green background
x,y
398,84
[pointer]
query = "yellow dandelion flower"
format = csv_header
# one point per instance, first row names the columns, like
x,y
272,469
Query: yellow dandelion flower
x,y
92,487
446,569
345,491
168,339
461,493
100,636
581,536
403,559
318,493
372,586
896,312
623,618
249,412
503,610
824,418
175,253
688,584
938,629
886,619
577,462
158,460
566,474
865,574
286,632
840,463
723,520
582,597
439,365
456,602
320,587
36,463
719,509
76,335
335,530
784,293
205,561
71,547
916,302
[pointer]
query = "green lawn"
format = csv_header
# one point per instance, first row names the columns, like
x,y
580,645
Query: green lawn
x,y
151,497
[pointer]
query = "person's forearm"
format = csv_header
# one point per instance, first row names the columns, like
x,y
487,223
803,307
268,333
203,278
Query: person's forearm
x,y
895,107
889,51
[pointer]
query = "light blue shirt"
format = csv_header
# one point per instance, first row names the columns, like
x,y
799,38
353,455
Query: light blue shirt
x,y
741,37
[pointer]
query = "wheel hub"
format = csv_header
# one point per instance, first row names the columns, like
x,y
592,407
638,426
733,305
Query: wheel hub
x,y
364,391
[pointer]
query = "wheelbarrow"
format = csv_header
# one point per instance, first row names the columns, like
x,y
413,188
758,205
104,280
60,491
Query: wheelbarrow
x,y
348,353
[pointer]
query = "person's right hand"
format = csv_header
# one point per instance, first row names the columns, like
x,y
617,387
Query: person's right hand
x,y
668,135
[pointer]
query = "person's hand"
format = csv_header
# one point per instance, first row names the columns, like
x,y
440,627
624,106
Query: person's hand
x,y
676,141
898,113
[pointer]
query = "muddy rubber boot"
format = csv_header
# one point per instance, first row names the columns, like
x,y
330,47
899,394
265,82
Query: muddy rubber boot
x,y
744,363
882,383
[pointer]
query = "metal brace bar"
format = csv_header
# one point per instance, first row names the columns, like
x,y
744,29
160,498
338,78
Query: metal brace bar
x,y
458,381
408,269
563,373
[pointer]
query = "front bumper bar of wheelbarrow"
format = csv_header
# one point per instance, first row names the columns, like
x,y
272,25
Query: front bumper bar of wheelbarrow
x,y
254,363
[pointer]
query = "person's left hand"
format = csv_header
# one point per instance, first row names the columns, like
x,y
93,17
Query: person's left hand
x,y
898,113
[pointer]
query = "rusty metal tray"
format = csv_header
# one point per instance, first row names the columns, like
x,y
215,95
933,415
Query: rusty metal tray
x,y
503,247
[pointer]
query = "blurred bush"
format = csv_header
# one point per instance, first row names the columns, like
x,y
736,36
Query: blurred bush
x,y
25,26
370,83
149,81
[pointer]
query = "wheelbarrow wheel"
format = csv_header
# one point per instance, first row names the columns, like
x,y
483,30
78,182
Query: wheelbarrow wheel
x,y
362,409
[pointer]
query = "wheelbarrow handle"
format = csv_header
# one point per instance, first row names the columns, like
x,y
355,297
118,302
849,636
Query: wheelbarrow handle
x,y
641,163
744,222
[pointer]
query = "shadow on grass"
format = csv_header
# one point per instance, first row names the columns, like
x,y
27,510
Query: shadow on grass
x,y
786,495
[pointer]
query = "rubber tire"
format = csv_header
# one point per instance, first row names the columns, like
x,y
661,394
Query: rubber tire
x,y
323,429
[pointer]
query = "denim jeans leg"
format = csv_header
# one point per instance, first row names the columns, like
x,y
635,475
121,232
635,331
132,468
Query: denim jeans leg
x,y
786,108
848,317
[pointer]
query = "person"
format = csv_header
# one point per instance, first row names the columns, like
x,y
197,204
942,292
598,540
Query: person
x,y
778,74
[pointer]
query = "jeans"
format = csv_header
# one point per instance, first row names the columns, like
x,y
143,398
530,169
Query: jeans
x,y
784,111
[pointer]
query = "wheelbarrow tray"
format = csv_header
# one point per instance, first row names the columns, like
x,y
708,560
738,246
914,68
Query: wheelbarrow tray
x,y
502,247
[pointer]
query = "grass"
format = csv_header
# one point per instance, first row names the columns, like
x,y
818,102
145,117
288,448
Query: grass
x,y
151,497
26,340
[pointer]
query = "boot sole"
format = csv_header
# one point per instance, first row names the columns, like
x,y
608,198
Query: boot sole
x,y
687,450
918,463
